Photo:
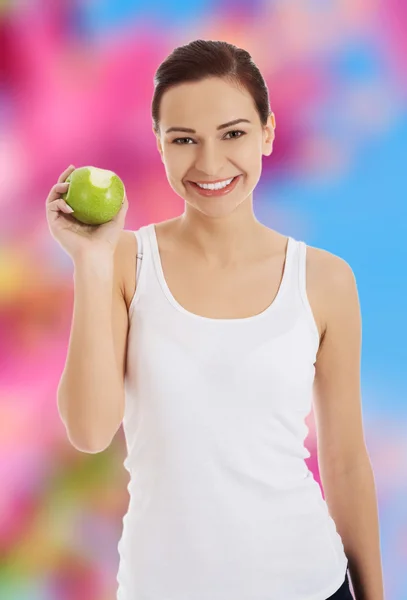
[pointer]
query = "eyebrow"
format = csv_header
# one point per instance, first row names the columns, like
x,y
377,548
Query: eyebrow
x,y
223,126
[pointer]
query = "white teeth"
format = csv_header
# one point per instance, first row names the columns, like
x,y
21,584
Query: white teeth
x,y
215,186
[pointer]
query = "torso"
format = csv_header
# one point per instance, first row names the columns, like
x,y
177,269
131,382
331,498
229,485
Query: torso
x,y
240,292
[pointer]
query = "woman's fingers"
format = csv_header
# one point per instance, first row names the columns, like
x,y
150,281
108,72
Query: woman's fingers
x,y
59,205
66,173
56,191
61,186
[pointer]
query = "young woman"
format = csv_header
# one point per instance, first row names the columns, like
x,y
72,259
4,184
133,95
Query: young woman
x,y
210,349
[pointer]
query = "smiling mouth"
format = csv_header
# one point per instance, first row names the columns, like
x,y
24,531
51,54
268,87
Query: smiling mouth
x,y
216,186
217,181
216,191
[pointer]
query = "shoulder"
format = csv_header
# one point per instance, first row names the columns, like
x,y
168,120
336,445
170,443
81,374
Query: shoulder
x,y
333,282
332,269
125,264
126,261
126,249
127,240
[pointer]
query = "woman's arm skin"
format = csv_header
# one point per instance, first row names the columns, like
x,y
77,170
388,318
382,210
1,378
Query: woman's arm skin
x,y
344,464
91,390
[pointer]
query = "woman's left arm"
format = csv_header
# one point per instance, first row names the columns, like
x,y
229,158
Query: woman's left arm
x,y
344,464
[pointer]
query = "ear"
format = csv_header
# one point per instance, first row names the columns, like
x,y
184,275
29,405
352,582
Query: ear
x,y
269,135
159,146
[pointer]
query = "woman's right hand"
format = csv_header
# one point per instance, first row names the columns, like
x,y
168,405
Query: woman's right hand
x,y
77,238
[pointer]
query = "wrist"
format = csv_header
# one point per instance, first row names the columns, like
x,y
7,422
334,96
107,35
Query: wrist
x,y
95,263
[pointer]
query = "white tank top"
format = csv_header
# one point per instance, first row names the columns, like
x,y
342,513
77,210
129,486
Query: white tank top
x,y
222,505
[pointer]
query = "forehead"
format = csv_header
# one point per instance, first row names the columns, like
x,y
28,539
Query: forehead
x,y
211,101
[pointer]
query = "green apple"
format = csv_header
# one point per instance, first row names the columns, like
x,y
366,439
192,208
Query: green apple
x,y
95,195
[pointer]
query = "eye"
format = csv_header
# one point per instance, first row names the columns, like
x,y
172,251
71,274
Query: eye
x,y
236,131
242,133
180,139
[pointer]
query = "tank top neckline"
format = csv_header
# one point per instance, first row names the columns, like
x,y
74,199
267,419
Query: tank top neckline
x,y
151,231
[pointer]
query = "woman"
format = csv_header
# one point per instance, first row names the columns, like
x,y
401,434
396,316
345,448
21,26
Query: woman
x,y
210,351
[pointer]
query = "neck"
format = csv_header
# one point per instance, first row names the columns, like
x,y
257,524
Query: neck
x,y
224,241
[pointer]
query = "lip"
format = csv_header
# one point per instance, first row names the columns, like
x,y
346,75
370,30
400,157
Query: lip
x,y
216,181
222,192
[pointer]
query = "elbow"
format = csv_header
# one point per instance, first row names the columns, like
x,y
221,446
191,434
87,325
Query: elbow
x,y
84,443
88,448
90,438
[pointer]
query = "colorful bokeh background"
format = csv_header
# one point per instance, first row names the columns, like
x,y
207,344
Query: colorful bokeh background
x,y
76,87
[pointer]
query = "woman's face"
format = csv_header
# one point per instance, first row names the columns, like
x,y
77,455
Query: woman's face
x,y
209,154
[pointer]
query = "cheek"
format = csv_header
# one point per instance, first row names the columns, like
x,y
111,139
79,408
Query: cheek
x,y
249,153
175,161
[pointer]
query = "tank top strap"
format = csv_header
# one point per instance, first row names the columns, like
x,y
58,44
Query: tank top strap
x,y
142,265
141,245
302,269
289,283
302,286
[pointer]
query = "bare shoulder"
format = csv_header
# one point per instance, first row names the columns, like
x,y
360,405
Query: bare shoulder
x,y
327,263
125,263
126,259
331,270
328,277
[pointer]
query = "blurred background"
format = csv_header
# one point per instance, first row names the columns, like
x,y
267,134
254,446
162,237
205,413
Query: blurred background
x,y
76,88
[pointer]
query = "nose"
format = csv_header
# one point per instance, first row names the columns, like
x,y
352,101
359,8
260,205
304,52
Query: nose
x,y
209,161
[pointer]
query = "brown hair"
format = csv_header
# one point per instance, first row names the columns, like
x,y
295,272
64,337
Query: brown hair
x,y
207,58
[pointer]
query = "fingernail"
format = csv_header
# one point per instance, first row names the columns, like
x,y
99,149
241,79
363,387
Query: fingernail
x,y
69,208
